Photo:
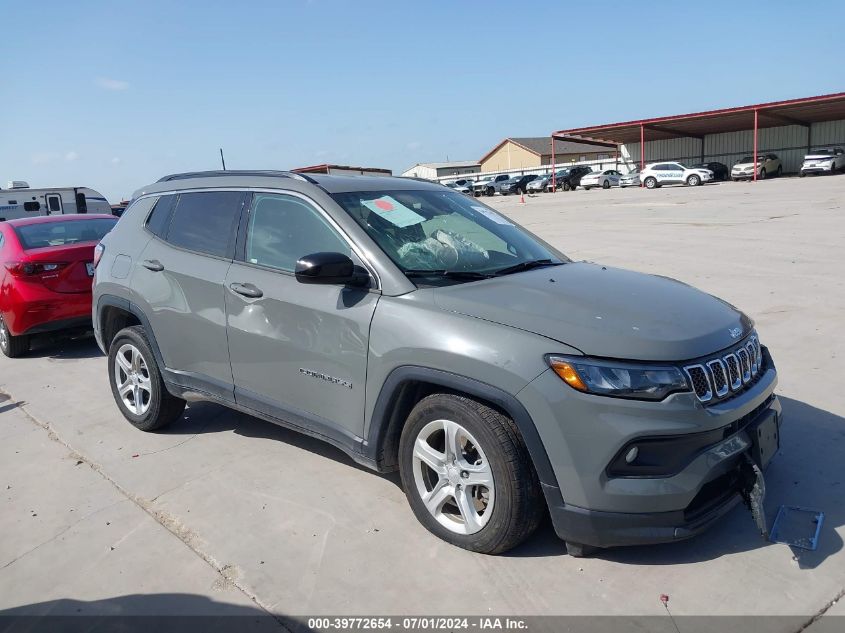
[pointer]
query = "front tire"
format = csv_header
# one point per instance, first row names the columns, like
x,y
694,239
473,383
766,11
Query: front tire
x,y
12,346
566,186
467,474
650,182
762,174
693,181
780,171
605,184
136,382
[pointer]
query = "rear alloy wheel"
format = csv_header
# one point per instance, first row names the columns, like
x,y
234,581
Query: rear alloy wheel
x,y
780,171
650,182
12,346
467,474
136,382
566,185
693,180
605,184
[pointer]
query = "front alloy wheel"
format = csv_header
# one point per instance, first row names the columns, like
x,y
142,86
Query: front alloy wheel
x,y
468,475
650,182
453,477
693,181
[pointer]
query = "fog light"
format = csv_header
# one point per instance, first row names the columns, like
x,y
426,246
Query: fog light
x,y
632,455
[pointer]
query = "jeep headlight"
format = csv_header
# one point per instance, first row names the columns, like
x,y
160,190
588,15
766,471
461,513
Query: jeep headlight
x,y
619,379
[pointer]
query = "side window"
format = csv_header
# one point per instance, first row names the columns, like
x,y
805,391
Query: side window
x,y
159,220
32,205
205,222
283,228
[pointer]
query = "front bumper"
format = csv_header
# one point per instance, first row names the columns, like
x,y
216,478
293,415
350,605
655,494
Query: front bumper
x,y
817,169
583,433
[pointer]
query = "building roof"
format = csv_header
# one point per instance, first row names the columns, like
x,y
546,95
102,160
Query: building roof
x,y
326,167
542,146
802,111
446,165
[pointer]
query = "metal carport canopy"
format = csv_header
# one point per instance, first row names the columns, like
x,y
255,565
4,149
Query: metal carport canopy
x,y
699,124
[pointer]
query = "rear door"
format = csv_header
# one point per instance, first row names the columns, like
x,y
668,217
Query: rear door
x,y
178,282
296,348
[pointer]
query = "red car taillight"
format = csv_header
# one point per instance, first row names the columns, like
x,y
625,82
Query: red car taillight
x,y
99,249
33,269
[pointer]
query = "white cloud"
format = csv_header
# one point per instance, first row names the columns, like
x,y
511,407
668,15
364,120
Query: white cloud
x,y
413,145
115,161
71,156
111,84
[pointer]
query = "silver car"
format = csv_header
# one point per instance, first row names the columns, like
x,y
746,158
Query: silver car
x,y
631,179
419,330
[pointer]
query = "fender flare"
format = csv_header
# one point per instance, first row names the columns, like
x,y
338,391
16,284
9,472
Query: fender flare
x,y
381,417
105,301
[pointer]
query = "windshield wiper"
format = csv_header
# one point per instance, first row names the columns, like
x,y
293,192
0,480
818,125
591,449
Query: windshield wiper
x,y
449,274
527,265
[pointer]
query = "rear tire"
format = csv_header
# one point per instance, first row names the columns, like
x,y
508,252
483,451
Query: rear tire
x,y
780,171
12,346
566,186
141,394
650,182
605,184
485,445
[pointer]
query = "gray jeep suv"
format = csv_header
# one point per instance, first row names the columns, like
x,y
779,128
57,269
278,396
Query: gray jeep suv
x,y
419,330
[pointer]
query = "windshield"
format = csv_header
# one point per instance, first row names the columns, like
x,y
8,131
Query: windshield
x,y
441,231
749,159
826,152
63,233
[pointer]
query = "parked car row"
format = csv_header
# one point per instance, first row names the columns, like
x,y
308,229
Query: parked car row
x,y
824,160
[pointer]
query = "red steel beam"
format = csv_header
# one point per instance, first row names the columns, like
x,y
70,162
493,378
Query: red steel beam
x,y
755,145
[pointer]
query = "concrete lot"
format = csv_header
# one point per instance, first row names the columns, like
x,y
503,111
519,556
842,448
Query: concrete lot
x,y
223,512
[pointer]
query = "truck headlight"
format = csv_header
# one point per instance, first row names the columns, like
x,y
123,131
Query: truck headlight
x,y
617,378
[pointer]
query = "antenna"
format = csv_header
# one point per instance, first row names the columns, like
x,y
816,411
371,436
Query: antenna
x,y
222,160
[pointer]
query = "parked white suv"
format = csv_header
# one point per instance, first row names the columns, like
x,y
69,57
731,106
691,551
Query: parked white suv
x,y
821,161
767,165
659,174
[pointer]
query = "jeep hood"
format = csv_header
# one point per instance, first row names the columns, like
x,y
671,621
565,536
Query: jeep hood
x,y
603,311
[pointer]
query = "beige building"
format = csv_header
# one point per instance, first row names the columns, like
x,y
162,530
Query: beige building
x,y
532,152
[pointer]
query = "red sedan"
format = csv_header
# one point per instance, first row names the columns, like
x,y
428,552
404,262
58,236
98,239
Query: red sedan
x,y
46,268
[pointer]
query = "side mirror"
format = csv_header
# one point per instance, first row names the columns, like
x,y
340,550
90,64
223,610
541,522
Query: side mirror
x,y
329,268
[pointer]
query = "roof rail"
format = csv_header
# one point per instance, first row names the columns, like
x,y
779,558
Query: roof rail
x,y
239,172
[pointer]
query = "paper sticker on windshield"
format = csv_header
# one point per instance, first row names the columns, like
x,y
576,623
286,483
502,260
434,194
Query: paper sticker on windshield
x,y
393,211
492,215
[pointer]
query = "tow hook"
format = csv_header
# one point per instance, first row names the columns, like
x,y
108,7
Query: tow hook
x,y
753,491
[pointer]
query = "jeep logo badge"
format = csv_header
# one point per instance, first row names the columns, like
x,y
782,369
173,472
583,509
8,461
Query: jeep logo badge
x,y
735,332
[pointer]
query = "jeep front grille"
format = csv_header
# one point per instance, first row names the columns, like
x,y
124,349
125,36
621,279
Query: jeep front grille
x,y
720,377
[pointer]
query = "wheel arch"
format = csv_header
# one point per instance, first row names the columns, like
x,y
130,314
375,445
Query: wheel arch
x,y
408,384
115,313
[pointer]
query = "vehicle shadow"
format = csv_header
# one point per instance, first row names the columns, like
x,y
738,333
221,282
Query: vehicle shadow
x,y
806,472
209,417
64,346
162,612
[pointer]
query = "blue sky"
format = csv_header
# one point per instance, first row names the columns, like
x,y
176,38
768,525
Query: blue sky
x,y
113,95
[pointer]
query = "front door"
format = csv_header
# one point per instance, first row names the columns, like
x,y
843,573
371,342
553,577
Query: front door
x,y
298,351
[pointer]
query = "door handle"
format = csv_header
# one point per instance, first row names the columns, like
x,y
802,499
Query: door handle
x,y
247,290
153,265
